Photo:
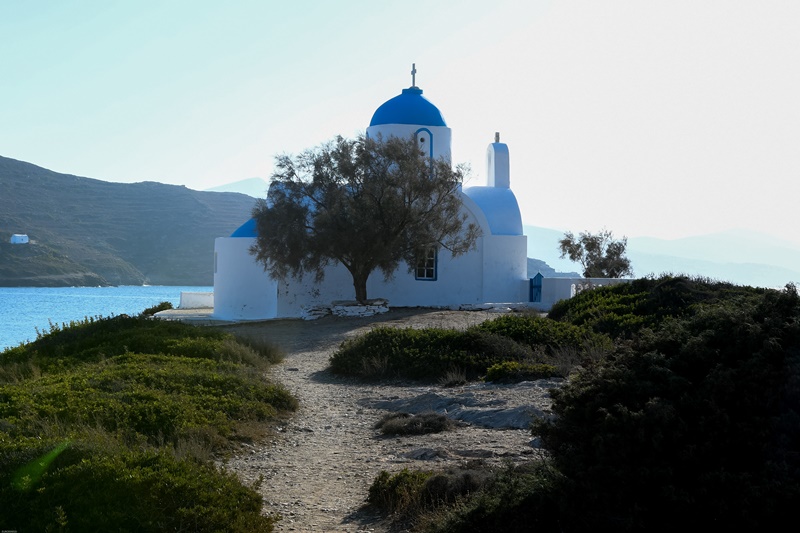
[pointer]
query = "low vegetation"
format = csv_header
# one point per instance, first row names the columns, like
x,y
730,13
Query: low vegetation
x,y
114,423
538,346
690,417
163,306
514,371
399,493
623,310
471,497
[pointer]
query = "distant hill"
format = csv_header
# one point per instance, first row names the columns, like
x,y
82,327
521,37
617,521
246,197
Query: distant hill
x,y
255,187
89,232
738,256
536,266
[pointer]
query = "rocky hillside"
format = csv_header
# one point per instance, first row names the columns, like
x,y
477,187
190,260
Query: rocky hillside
x,y
89,232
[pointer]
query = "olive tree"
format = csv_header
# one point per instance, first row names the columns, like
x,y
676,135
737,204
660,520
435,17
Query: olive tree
x,y
600,255
368,204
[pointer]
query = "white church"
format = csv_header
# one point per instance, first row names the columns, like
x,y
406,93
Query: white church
x,y
494,272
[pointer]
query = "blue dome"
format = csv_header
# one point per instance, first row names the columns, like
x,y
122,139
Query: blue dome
x,y
248,229
410,107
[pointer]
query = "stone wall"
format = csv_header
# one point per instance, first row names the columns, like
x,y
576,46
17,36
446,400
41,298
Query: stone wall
x,y
346,308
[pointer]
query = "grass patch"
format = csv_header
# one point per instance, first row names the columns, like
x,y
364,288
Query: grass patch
x,y
112,423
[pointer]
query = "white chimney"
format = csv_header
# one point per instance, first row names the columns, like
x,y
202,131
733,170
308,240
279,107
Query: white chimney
x,y
497,164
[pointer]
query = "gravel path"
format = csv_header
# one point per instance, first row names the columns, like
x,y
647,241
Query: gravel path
x,y
317,468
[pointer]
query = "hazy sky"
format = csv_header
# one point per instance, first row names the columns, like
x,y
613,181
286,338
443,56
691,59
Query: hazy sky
x,y
663,118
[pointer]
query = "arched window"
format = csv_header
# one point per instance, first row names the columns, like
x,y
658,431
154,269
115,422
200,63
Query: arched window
x,y
425,141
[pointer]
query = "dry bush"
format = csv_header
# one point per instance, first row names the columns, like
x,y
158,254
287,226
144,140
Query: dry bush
x,y
408,424
375,367
453,377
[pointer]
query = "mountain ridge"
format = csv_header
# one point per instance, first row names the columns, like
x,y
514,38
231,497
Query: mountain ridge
x,y
255,187
109,233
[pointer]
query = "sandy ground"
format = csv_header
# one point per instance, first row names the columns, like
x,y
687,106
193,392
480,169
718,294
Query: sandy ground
x,y
318,467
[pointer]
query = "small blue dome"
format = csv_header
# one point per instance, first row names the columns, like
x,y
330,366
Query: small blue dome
x,y
248,229
410,107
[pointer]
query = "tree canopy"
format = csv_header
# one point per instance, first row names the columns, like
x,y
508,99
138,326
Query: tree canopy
x,y
600,255
365,203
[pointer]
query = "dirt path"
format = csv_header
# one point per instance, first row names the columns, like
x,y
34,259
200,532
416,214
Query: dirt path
x,y
318,468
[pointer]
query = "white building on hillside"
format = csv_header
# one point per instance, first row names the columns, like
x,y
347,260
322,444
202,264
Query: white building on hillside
x,y
495,272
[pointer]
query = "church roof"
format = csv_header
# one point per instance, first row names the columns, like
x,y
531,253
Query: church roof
x,y
248,229
500,207
409,107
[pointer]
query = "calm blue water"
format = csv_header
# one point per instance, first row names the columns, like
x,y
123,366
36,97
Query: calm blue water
x,y
24,309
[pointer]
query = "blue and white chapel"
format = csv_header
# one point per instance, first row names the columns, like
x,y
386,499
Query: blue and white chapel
x,y
494,272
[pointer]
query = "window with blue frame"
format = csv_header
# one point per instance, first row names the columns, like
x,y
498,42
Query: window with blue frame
x,y
426,269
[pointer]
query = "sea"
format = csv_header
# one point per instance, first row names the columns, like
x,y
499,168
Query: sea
x,y
26,310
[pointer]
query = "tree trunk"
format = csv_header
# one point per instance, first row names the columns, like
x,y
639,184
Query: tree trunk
x,y
360,285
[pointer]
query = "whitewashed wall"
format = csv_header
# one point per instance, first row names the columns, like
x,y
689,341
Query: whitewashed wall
x,y
505,266
441,136
196,300
242,290
459,281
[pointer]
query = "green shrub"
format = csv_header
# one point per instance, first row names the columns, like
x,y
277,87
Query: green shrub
x,y
559,346
474,498
625,309
95,339
432,353
536,331
513,499
88,489
157,396
616,310
691,420
97,435
515,371
163,306
426,354
695,417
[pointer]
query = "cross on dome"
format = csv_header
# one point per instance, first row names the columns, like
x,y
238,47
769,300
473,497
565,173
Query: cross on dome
x,y
413,74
